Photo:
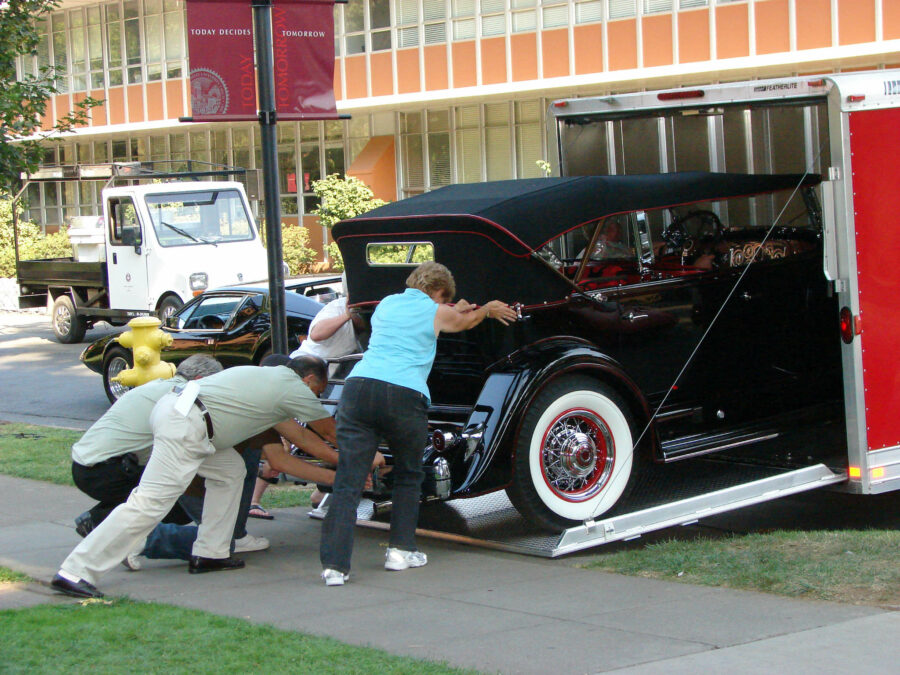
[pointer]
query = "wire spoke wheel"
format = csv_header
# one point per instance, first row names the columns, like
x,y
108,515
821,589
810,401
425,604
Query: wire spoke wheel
x,y
574,458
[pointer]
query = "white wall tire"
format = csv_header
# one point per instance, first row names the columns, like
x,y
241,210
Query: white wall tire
x,y
574,456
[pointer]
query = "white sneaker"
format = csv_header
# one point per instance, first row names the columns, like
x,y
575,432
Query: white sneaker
x,y
249,543
397,559
333,577
131,562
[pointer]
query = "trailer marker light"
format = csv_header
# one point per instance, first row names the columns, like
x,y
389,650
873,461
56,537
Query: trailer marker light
x,y
856,98
560,104
878,472
847,325
677,95
816,83
855,472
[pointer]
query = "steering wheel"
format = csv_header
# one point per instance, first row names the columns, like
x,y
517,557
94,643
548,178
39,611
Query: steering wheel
x,y
211,322
711,227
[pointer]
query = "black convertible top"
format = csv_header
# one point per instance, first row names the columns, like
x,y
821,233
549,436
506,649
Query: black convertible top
x,y
476,227
536,210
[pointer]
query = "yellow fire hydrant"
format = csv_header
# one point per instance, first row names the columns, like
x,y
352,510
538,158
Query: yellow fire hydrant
x,y
145,340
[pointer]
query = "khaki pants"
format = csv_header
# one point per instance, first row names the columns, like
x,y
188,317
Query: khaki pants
x,y
181,450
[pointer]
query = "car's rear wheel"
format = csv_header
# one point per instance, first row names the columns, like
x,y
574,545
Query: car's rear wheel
x,y
116,360
68,327
574,457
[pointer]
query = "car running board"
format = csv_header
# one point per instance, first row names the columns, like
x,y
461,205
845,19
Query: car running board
x,y
696,445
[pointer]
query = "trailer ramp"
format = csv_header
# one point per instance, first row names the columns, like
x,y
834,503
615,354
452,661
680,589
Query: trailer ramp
x,y
665,497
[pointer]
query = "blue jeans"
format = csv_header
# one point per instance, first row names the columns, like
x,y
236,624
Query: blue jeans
x,y
371,410
177,541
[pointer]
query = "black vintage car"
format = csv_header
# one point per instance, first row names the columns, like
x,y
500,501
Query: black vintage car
x,y
662,317
229,323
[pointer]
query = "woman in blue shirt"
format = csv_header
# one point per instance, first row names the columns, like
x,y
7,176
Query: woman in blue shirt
x,y
386,396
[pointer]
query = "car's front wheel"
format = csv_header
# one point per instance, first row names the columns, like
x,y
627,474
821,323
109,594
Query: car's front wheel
x,y
116,360
574,456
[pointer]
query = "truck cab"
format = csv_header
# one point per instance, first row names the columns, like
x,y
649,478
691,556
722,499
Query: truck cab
x,y
165,245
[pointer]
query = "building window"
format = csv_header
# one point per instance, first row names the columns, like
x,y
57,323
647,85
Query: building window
x,y
493,17
524,15
657,6
591,11
555,15
463,13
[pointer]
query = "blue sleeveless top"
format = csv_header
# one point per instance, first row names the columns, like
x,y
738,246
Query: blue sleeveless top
x,y
402,347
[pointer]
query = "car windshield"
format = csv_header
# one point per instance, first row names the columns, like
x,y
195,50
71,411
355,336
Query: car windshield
x,y
215,312
207,217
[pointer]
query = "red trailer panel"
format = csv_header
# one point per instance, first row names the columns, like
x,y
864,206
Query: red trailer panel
x,y
876,203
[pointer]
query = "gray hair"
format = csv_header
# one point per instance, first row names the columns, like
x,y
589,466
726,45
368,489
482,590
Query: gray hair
x,y
197,366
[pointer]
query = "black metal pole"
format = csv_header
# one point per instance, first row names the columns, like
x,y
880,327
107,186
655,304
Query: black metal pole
x,y
262,21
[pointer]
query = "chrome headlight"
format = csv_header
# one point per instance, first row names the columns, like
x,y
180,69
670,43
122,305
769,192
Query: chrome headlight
x,y
199,281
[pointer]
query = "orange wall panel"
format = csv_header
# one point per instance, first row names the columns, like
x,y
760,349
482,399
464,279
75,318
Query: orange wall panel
x,y
355,72
493,60
436,75
382,73
772,26
856,21
115,104
732,31
464,64
76,99
657,40
155,101
174,99
588,49
407,71
337,80
813,23
693,36
376,167
134,94
890,19
63,107
622,37
98,114
523,53
555,52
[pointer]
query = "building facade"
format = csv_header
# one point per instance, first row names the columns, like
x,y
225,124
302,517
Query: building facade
x,y
438,91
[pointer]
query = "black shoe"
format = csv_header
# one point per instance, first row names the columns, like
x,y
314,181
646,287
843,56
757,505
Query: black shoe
x,y
84,524
199,564
78,589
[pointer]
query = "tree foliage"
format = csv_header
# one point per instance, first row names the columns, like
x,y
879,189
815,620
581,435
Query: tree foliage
x,y
23,102
341,198
295,249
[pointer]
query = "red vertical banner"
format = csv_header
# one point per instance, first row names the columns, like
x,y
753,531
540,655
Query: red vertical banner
x,y
220,48
303,36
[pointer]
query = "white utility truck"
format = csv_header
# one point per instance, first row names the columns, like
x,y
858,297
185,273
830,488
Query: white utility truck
x,y
156,245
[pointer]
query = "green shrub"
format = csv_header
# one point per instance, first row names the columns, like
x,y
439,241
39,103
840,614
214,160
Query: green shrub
x,y
33,244
337,260
296,251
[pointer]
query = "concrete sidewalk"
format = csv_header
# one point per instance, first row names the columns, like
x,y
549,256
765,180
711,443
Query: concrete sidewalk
x,y
492,611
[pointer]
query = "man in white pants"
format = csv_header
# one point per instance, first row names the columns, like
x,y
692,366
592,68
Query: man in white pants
x,y
194,431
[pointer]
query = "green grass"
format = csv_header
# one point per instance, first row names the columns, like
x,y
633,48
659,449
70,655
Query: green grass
x,y
120,635
853,566
8,576
285,496
39,453
45,453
